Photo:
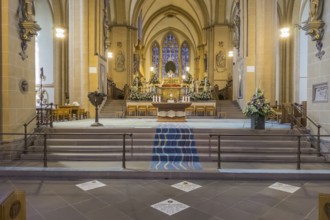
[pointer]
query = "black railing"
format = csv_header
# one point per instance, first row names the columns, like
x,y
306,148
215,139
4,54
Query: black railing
x,y
297,108
46,151
297,136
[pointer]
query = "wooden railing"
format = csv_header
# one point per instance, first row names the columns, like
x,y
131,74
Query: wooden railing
x,y
114,92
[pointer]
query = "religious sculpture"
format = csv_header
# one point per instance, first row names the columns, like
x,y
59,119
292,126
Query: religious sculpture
x,y
28,27
315,10
314,25
120,62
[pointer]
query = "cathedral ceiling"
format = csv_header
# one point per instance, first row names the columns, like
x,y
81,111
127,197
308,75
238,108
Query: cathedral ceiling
x,y
185,17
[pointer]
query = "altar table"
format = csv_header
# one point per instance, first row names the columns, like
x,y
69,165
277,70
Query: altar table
x,y
171,112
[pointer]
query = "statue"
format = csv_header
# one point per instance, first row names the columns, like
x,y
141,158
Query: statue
x,y
96,99
120,62
315,10
220,59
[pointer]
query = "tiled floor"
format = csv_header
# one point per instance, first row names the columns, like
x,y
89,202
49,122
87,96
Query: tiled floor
x,y
123,199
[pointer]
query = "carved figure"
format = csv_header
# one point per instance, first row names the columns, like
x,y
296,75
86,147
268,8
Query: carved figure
x,y
220,59
120,62
315,10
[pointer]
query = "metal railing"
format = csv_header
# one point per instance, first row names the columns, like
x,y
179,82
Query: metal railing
x,y
43,117
295,121
46,151
219,136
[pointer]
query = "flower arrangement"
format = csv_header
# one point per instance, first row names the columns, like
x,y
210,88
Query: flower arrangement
x,y
154,80
258,106
205,95
139,96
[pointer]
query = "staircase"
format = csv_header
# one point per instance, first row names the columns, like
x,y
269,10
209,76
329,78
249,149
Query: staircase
x,y
79,145
229,109
113,109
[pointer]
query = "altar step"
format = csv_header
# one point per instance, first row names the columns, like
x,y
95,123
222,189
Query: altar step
x,y
77,145
229,109
113,109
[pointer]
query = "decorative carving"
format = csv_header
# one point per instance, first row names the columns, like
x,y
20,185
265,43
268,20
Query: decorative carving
x,y
28,27
236,26
120,62
313,26
106,38
23,86
220,59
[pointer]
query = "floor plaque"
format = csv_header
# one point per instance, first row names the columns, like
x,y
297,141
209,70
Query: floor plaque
x,y
186,186
284,187
90,185
170,206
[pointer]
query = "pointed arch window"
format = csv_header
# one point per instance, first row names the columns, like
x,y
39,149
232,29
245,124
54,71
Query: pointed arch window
x,y
170,52
155,51
184,56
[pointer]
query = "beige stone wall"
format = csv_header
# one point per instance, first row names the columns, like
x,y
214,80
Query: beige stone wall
x,y
319,72
81,53
16,107
257,51
222,43
120,44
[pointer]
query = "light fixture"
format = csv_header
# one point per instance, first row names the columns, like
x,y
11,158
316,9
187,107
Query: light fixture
x,y
187,68
184,77
59,32
110,55
285,32
231,53
152,69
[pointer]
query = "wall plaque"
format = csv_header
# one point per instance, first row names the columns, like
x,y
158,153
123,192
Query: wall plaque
x,y
320,92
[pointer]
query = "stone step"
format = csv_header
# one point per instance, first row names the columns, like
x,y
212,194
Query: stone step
x,y
198,142
225,157
200,149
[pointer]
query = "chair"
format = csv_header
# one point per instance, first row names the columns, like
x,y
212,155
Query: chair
x,y
142,110
199,110
190,111
131,110
209,110
152,110
82,114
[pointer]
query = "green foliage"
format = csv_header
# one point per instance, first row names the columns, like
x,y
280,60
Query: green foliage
x,y
205,95
258,105
154,80
139,96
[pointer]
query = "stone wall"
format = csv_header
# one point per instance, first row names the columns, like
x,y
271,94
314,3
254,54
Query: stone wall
x,y
17,107
318,73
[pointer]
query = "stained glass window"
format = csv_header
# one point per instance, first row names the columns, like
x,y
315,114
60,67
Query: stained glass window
x,y
155,56
184,56
170,52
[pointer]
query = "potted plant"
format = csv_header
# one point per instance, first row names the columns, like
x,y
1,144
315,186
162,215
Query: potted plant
x,y
258,109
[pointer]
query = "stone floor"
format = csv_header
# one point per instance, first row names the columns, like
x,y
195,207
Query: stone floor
x,y
128,199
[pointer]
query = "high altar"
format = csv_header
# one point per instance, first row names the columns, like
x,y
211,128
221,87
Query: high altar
x,y
171,89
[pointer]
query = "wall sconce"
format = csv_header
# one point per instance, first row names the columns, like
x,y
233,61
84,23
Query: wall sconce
x,y
230,53
152,69
110,55
187,68
59,32
285,32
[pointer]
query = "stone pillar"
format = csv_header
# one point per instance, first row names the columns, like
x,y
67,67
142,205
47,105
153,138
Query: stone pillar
x,y
17,104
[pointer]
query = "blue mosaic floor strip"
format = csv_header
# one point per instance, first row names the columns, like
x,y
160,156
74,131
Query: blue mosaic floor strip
x,y
175,148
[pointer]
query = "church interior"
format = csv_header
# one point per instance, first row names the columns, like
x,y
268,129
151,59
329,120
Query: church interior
x,y
160,80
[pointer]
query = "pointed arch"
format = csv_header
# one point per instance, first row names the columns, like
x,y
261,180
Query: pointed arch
x,y
170,52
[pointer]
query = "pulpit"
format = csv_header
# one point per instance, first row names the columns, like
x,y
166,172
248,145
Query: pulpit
x,y
171,112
